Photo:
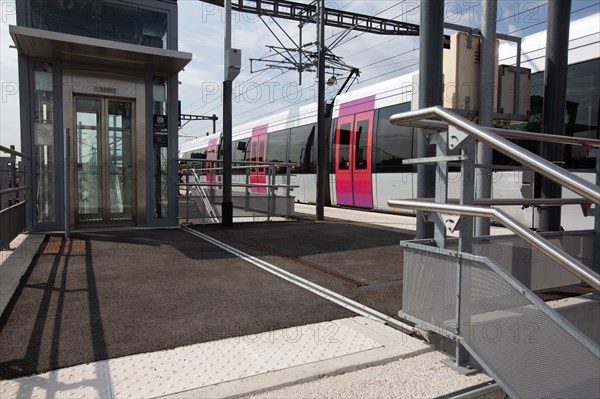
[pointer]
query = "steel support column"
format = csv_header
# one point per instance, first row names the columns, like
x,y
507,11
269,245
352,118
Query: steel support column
x,y
430,94
227,204
487,74
322,169
555,89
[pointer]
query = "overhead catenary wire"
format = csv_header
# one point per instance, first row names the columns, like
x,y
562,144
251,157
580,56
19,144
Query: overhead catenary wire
x,y
373,66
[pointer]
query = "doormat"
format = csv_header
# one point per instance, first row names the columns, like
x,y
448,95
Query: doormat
x,y
58,245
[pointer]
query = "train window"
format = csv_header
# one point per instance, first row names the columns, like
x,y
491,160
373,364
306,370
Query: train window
x,y
240,150
362,145
302,149
240,154
581,111
344,146
392,143
277,148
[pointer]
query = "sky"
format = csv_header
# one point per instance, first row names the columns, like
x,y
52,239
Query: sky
x,y
260,91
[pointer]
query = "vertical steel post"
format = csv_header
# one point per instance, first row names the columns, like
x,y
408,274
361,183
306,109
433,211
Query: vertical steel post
x,y
555,89
227,204
441,186
321,125
13,177
596,254
288,192
487,88
430,94
67,158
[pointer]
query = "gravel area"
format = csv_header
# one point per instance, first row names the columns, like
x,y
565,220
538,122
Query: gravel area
x,y
422,376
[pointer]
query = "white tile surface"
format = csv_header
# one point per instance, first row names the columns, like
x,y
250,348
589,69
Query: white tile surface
x,y
83,381
203,365
190,367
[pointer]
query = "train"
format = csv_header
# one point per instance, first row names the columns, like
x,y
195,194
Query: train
x,y
366,152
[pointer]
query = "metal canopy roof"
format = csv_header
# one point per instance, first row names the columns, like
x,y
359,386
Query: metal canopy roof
x,y
66,47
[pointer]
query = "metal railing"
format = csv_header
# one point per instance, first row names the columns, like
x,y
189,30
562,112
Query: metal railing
x,y
255,186
443,286
535,162
457,127
13,175
526,346
564,259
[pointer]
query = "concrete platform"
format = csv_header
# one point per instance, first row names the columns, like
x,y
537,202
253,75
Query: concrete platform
x,y
234,366
14,263
149,313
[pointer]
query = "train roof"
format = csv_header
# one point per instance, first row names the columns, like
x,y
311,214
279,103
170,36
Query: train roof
x,y
584,45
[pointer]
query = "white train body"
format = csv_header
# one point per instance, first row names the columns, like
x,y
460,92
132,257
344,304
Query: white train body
x,y
366,152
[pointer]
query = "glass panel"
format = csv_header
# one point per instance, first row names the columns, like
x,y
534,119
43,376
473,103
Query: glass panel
x,y
253,151
344,147
240,153
44,142
120,161
581,112
361,156
101,20
89,160
262,145
583,103
277,148
393,143
302,149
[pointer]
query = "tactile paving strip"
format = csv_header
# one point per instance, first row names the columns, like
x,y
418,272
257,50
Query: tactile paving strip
x,y
191,367
185,368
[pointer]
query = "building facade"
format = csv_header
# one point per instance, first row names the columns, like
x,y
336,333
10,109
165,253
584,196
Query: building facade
x,y
99,111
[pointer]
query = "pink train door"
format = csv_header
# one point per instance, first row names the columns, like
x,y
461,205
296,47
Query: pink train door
x,y
211,155
258,153
353,155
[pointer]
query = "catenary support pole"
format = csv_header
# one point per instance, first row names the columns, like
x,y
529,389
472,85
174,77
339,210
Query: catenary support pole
x,y
227,204
555,89
487,88
430,94
322,171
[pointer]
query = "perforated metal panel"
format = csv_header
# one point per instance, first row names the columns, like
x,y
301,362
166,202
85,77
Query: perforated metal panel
x,y
429,291
530,349
522,340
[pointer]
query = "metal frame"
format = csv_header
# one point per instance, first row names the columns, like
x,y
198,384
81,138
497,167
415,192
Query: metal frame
x,y
518,286
456,132
14,217
560,256
528,158
271,186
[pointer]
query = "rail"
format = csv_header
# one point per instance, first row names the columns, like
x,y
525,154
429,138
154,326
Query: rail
x,y
515,134
535,162
471,289
259,188
13,176
564,259
567,179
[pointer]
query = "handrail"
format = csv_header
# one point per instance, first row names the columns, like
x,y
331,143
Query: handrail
x,y
14,190
565,260
528,158
14,152
253,163
516,134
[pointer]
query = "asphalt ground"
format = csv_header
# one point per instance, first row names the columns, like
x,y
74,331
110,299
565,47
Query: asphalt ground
x,y
112,294
362,262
